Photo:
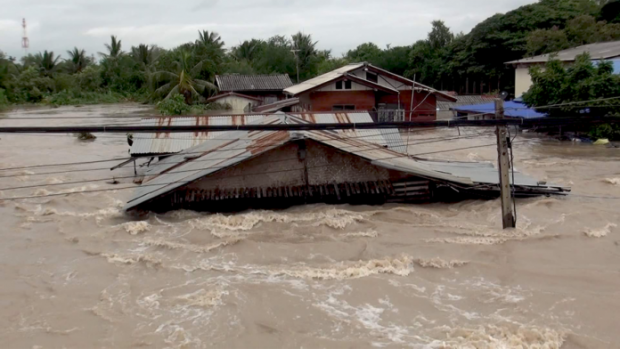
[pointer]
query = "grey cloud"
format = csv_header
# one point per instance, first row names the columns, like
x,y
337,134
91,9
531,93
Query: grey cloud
x,y
339,25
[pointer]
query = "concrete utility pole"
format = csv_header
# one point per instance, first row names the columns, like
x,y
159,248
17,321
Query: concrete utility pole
x,y
508,220
296,62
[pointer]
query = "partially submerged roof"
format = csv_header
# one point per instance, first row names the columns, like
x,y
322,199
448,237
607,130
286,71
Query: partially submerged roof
x,y
344,72
234,147
232,94
158,143
512,109
161,143
239,82
277,105
599,50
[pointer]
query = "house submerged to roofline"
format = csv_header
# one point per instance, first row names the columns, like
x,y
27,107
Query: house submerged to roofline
x,y
276,169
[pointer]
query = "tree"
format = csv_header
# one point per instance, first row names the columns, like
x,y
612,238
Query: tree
x,y
247,50
180,81
46,62
546,40
207,38
114,48
440,35
143,54
306,53
77,60
581,81
366,52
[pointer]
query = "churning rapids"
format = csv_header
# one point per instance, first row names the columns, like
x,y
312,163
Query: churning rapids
x,y
78,273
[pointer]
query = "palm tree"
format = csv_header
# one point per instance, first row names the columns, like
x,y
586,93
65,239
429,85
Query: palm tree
x,y
77,60
247,50
143,54
181,80
46,62
209,39
114,48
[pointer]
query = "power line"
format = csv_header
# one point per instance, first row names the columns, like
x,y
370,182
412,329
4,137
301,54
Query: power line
x,y
311,126
216,150
177,182
372,147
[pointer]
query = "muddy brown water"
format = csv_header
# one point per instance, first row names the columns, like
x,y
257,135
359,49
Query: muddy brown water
x,y
78,273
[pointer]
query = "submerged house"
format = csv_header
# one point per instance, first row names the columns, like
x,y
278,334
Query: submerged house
x,y
273,169
362,86
245,92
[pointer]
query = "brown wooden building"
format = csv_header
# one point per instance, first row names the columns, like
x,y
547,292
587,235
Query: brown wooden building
x,y
362,86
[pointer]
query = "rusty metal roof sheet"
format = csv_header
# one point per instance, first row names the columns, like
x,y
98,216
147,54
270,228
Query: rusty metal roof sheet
x,y
166,142
238,82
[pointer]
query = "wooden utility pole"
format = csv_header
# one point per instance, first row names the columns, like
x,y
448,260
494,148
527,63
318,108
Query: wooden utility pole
x,y
508,220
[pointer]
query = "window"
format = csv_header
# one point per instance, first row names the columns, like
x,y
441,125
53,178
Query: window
x,y
372,77
346,85
338,107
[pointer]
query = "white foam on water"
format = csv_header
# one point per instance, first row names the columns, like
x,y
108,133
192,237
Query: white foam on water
x,y
190,247
371,233
401,266
599,233
116,258
135,228
223,226
504,336
613,181
54,180
439,263
203,298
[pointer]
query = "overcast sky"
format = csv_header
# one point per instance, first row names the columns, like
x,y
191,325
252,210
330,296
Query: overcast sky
x,y
339,25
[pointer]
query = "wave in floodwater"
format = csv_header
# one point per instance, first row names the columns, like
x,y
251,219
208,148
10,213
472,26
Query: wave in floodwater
x,y
612,181
439,263
601,232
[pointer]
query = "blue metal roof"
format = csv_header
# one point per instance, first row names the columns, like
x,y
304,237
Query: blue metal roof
x,y
512,109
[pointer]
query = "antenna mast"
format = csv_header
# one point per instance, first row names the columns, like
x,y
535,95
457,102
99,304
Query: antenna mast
x,y
25,41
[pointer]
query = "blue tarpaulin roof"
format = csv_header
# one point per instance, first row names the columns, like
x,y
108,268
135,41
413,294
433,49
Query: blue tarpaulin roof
x,y
512,109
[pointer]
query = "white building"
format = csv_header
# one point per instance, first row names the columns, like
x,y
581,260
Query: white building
x,y
599,51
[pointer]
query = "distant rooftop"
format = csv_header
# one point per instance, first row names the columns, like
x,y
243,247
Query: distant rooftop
x,y
600,50
238,82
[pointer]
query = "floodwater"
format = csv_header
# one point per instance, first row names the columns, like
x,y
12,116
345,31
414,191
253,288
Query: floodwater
x,y
78,273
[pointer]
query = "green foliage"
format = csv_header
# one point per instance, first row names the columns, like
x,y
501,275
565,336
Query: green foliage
x,y
173,105
581,81
114,48
4,100
31,86
180,79
609,131
580,30
77,60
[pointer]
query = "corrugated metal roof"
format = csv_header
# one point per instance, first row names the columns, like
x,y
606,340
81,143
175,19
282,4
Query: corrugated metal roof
x,y
233,94
181,169
337,73
166,142
463,100
389,137
599,50
238,82
512,109
275,106
321,79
